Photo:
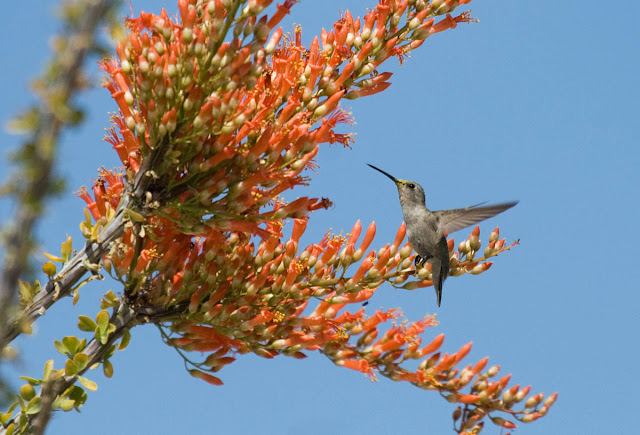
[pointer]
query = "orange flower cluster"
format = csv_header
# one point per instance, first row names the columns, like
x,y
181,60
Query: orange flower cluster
x,y
236,122
223,113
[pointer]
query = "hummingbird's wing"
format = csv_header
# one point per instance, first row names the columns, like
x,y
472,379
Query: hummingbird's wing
x,y
457,219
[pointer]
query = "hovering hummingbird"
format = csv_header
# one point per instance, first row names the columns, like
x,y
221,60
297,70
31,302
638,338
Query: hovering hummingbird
x,y
427,229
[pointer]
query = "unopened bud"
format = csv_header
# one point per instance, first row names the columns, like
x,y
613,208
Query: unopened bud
x,y
187,35
456,271
528,418
128,98
507,396
131,123
405,252
490,250
424,273
493,371
463,247
366,70
551,400
474,239
49,269
125,66
522,394
480,268
399,279
27,392
495,235
457,413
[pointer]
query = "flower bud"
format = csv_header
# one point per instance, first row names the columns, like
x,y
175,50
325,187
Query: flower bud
x,y
493,371
405,252
551,400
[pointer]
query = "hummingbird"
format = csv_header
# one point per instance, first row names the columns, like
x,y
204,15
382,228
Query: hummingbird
x,y
428,229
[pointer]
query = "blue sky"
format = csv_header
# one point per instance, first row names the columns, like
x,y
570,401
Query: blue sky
x,y
537,102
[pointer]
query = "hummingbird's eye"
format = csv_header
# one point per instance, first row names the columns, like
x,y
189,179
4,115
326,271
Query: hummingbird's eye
x,y
412,186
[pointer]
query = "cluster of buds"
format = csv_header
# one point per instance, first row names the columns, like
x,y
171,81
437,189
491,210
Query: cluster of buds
x,y
227,112
465,261
492,396
222,112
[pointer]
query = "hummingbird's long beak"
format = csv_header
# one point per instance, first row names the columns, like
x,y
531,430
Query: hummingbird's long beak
x,y
388,175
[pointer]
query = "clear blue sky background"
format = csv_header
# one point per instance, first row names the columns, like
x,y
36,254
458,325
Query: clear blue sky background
x,y
538,102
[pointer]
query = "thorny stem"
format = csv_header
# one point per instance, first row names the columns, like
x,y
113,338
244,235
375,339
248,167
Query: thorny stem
x,y
47,395
124,318
92,252
61,285
80,42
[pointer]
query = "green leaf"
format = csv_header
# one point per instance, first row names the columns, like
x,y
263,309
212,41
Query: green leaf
x,y
70,368
24,122
48,367
66,249
81,360
109,300
60,347
89,385
23,423
86,323
64,404
12,407
72,344
107,367
34,406
101,336
53,257
87,280
109,353
103,321
78,395
25,292
124,342
136,217
32,381
7,415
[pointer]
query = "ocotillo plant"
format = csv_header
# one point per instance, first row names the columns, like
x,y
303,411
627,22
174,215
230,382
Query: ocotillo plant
x,y
219,114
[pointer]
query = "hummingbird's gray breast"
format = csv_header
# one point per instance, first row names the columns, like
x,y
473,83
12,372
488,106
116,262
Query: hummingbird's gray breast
x,y
423,230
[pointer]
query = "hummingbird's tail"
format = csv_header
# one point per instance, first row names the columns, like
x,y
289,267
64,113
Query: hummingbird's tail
x,y
440,268
438,277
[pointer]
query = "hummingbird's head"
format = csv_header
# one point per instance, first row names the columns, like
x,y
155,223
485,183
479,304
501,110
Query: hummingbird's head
x,y
410,192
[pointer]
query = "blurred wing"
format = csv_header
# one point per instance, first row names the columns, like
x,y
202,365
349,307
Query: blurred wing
x,y
455,220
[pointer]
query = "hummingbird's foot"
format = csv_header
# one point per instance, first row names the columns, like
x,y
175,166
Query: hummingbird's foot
x,y
420,261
